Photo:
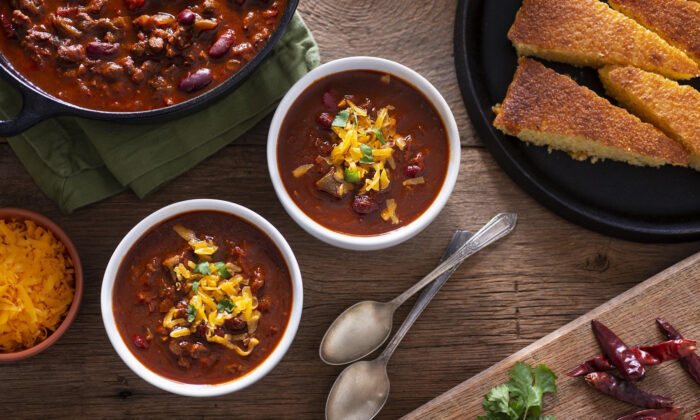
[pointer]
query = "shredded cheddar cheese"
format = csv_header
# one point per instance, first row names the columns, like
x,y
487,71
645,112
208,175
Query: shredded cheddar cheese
x,y
36,284
217,292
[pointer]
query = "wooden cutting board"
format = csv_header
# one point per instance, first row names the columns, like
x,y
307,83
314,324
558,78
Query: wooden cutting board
x,y
673,294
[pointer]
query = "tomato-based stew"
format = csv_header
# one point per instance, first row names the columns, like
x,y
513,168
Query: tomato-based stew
x,y
133,55
362,153
202,298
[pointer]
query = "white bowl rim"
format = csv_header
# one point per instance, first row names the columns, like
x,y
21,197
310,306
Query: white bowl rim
x,y
394,237
201,390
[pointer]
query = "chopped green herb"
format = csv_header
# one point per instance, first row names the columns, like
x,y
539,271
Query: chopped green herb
x,y
225,305
521,397
341,118
195,286
191,313
351,175
366,154
221,268
202,268
380,135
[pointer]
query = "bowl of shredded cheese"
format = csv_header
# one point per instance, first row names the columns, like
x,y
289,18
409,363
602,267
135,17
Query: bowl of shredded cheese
x,y
41,283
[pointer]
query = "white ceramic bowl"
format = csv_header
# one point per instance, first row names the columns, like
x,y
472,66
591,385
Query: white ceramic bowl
x,y
144,226
403,233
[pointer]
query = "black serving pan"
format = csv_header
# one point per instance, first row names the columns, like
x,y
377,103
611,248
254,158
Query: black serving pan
x,y
641,204
38,105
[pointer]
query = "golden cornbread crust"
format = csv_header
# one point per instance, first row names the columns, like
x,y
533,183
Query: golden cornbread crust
x,y
674,108
677,21
590,33
547,108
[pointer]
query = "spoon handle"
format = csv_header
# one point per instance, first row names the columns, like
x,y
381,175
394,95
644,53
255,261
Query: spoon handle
x,y
498,227
458,239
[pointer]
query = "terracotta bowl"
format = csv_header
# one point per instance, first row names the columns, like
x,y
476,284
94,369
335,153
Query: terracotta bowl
x,y
14,213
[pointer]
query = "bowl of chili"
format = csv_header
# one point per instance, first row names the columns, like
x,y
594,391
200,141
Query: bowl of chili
x,y
134,60
202,298
26,236
363,153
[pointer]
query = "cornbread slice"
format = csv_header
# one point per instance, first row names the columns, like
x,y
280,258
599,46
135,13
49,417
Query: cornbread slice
x,y
590,33
546,108
676,21
674,108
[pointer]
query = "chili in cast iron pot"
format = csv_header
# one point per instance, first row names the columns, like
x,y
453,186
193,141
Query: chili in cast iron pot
x,y
39,105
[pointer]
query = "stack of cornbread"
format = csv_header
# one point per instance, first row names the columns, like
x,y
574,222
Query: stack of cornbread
x,y
640,48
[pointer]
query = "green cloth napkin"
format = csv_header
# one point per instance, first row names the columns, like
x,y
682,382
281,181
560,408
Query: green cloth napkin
x,y
77,161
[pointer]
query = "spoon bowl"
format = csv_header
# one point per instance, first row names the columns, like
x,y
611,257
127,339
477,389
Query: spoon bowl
x,y
360,391
360,330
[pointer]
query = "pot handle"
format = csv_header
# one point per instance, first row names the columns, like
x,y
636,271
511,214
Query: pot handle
x,y
35,108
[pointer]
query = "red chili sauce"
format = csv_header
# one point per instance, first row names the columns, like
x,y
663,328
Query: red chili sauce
x,y
306,136
133,55
145,290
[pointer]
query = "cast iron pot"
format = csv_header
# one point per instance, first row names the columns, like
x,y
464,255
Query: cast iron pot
x,y
38,105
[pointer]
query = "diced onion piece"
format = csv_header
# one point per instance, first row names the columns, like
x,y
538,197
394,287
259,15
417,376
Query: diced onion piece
x,y
301,170
401,143
185,233
414,181
385,79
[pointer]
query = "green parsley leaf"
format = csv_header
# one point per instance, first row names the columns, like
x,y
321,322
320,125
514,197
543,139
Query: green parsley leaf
x,y
221,268
352,176
225,305
195,286
380,136
545,379
366,154
202,268
191,313
496,401
520,398
341,118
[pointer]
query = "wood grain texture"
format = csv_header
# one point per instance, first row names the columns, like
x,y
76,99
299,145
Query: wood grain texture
x,y
673,294
545,274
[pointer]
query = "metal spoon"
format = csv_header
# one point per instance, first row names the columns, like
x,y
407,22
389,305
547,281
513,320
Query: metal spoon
x,y
362,388
363,327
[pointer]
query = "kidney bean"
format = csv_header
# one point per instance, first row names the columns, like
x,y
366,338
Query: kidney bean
x,y
186,17
325,120
140,342
330,99
364,204
195,81
412,171
101,49
134,4
223,44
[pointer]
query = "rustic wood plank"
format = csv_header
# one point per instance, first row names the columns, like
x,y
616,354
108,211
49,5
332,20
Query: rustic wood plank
x,y
499,301
671,294
547,273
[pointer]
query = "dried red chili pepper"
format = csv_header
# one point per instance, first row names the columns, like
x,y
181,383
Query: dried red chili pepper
x,y
648,355
697,417
617,351
691,362
669,413
626,391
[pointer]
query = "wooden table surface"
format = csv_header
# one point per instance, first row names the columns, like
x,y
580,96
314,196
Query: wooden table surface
x,y
543,275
